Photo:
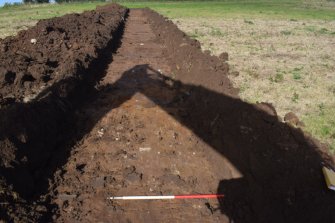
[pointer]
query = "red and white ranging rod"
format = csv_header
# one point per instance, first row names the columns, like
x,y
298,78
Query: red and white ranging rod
x,y
168,197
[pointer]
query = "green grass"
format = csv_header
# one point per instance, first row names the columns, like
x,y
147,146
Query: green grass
x,y
322,125
279,77
42,11
196,34
216,32
296,73
295,9
15,18
19,17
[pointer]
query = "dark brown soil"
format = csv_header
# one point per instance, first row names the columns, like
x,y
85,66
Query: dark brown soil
x,y
152,115
37,113
64,48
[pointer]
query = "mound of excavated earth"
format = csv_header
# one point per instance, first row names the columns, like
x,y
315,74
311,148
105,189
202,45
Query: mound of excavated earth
x,y
54,50
45,73
117,102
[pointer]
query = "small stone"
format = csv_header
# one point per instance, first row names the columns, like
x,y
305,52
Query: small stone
x,y
101,132
33,41
41,208
75,46
28,98
144,149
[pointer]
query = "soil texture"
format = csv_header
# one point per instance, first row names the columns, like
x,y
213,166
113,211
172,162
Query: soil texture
x,y
136,108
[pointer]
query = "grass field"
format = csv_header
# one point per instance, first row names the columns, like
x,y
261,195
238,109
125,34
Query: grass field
x,y
283,50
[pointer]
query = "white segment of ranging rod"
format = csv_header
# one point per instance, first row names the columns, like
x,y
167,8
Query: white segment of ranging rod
x,y
143,197
166,197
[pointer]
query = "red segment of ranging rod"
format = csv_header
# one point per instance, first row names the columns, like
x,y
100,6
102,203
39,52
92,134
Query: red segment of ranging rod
x,y
165,197
199,196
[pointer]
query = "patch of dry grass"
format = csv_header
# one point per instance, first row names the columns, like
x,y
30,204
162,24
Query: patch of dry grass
x,y
289,63
8,29
16,18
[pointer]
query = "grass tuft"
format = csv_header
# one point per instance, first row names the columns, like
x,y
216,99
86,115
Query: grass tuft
x,y
285,32
216,32
249,22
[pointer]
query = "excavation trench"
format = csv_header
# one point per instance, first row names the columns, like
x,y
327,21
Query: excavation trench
x,y
152,115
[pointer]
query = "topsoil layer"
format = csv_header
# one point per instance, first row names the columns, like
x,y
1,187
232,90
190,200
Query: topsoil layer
x,y
93,109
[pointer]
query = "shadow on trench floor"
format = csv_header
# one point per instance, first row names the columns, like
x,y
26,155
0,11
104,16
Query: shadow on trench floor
x,y
281,166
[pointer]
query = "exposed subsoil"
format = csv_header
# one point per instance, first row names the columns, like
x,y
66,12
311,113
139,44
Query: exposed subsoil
x,y
149,114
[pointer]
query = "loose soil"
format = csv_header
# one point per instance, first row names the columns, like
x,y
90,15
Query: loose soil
x,y
154,116
54,50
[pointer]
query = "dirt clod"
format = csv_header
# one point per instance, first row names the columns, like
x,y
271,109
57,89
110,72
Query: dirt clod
x,y
291,118
224,56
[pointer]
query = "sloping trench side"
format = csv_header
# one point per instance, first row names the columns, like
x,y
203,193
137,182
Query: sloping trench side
x,y
281,165
45,73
